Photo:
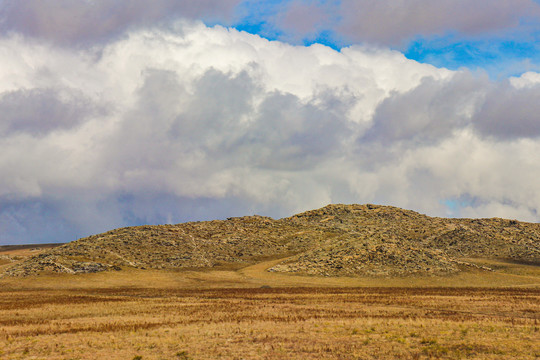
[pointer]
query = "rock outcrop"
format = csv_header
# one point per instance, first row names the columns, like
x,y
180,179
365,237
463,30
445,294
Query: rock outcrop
x,y
337,240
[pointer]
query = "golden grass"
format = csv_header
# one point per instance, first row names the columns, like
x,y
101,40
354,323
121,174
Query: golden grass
x,y
225,314
506,275
285,323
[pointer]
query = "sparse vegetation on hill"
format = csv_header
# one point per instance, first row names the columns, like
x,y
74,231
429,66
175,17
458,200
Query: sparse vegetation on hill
x,y
337,240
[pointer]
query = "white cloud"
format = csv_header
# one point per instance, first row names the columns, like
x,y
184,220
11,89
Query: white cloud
x,y
196,122
527,79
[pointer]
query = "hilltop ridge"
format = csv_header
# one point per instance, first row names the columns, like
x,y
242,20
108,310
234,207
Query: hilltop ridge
x,y
336,240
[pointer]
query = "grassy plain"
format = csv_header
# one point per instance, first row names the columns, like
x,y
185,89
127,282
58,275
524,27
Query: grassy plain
x,y
248,313
268,323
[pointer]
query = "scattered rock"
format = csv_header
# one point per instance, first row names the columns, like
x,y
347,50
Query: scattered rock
x,y
336,240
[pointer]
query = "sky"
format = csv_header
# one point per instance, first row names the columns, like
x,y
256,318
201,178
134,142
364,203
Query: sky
x,y
121,113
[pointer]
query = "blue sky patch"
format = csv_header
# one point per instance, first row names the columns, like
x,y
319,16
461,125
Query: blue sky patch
x,y
499,58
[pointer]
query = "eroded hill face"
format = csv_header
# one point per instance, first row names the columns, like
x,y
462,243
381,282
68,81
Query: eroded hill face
x,y
337,240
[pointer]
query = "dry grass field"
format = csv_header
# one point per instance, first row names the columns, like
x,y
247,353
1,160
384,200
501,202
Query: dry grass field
x,y
247,313
270,323
250,313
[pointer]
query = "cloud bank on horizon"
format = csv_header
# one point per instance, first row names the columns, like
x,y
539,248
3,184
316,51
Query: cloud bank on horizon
x,y
120,113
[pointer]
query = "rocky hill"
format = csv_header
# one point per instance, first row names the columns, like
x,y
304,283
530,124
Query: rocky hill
x,y
337,240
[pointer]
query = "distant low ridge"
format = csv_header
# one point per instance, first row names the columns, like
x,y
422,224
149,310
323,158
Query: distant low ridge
x,y
336,240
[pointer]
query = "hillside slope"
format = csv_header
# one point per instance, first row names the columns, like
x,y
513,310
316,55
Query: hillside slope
x,y
337,240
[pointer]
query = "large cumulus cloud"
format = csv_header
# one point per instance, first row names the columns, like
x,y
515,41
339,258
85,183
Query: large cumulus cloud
x,y
194,123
